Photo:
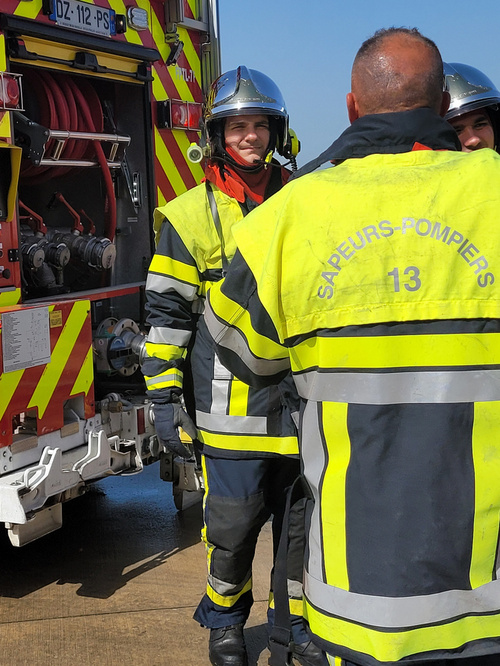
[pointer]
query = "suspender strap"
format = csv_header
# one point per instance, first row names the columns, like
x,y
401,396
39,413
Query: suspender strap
x,y
280,640
218,226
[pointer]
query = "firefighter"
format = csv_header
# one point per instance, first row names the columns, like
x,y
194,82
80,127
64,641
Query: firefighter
x,y
248,437
380,289
474,108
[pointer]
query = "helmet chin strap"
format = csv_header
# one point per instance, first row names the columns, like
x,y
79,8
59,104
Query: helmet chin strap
x,y
227,159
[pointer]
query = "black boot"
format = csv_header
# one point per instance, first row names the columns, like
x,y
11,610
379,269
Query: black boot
x,y
308,654
227,646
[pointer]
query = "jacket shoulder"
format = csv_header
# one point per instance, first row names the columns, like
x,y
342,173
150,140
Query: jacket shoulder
x,y
193,198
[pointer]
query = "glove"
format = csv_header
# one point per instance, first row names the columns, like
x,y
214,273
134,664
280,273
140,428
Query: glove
x,y
168,416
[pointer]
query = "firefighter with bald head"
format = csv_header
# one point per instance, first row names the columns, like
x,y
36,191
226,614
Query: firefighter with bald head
x,y
247,436
380,290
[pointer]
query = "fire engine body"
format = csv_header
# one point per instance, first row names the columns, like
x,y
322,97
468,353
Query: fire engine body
x,y
99,103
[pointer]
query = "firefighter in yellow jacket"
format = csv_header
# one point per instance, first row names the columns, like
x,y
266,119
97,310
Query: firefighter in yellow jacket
x,y
380,289
248,437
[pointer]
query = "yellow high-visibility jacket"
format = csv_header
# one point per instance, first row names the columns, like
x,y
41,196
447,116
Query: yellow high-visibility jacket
x,y
380,289
233,419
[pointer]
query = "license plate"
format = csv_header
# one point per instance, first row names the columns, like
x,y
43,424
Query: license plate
x,y
84,16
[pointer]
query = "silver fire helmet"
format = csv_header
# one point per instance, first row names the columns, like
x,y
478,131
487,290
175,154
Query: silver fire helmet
x,y
244,91
469,89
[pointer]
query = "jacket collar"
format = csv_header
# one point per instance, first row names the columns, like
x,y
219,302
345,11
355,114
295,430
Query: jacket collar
x,y
388,133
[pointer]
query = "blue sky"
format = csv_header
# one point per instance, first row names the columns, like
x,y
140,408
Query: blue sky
x,y
308,48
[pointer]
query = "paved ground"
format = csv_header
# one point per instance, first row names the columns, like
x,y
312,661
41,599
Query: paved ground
x,y
117,585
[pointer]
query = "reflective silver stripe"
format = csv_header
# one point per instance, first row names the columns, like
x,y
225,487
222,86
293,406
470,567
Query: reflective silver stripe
x,y
242,425
162,284
220,388
400,387
168,336
220,371
294,588
232,339
313,458
220,396
402,612
227,589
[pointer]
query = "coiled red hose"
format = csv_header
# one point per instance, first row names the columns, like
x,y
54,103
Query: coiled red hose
x,y
64,105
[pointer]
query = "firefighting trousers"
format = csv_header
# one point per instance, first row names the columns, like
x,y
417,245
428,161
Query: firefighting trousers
x,y
240,497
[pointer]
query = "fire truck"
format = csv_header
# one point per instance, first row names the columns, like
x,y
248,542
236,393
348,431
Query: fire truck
x,y
100,104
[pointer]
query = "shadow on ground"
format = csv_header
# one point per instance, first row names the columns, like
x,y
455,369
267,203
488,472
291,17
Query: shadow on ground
x,y
256,642
121,528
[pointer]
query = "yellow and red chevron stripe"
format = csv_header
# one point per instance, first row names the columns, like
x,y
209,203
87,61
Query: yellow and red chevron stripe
x,y
45,388
174,173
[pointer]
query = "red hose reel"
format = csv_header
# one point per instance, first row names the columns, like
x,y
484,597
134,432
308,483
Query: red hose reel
x,y
62,104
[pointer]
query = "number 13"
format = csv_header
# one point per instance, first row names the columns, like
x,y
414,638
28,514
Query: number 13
x,y
413,283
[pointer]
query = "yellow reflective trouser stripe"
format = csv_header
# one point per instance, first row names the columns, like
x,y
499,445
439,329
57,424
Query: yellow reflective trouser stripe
x,y
177,269
228,601
208,546
333,493
295,605
231,312
393,646
397,351
238,400
165,352
487,475
168,379
283,445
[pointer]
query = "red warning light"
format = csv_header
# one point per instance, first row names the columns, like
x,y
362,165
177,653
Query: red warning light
x,y
10,91
185,115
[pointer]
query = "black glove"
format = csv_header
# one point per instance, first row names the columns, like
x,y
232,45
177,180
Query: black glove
x,y
168,416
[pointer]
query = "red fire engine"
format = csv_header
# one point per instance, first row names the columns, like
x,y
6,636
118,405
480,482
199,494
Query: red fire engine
x,y
99,104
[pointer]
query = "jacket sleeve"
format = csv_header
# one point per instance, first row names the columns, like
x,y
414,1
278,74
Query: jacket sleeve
x,y
173,283
242,330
